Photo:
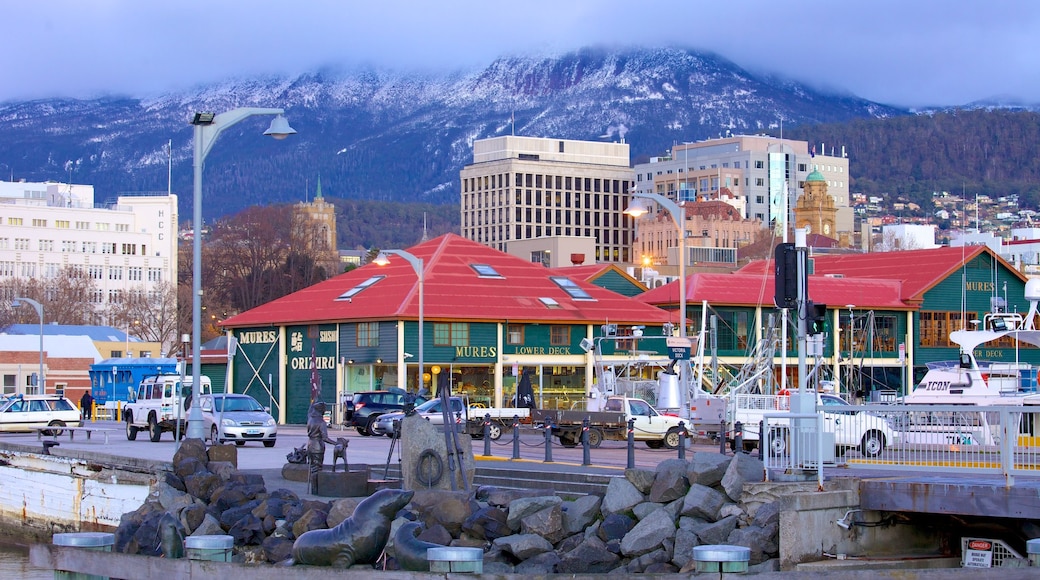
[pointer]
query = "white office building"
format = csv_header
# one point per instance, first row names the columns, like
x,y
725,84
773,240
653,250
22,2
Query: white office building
x,y
128,245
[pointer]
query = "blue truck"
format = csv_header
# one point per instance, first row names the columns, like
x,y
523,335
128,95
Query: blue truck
x,y
112,379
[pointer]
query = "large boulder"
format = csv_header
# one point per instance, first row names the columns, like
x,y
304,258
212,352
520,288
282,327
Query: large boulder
x,y
670,483
707,469
703,502
590,557
715,533
547,523
580,513
171,498
614,527
523,507
643,479
342,509
685,541
523,546
248,531
446,508
488,523
621,496
647,536
742,469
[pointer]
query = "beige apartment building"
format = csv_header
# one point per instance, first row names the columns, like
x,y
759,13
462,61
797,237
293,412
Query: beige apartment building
x,y
526,188
714,232
753,167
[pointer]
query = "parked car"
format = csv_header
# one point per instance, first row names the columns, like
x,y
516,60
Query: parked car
x,y
364,408
430,410
28,412
242,419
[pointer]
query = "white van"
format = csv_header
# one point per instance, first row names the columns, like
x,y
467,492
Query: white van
x,y
161,404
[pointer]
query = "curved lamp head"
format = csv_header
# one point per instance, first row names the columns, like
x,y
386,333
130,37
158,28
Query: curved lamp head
x,y
280,128
381,259
637,207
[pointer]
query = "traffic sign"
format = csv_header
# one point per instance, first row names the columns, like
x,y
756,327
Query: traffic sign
x,y
679,347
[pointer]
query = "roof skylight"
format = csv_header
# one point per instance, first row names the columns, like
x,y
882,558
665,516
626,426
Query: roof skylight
x,y
356,289
549,302
571,288
486,271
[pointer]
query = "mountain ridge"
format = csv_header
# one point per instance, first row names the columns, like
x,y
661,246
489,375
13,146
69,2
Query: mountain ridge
x,y
374,134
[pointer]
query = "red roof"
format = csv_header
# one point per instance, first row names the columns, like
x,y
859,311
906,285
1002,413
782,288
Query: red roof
x,y
883,280
757,289
453,290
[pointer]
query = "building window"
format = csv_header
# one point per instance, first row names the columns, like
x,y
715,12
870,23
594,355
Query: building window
x,y
451,334
759,164
559,335
368,334
760,181
515,334
936,327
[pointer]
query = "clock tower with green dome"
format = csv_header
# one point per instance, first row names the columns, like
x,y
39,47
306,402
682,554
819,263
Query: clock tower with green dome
x,y
815,209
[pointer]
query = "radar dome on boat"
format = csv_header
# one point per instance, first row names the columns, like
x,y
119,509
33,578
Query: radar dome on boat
x,y
1033,289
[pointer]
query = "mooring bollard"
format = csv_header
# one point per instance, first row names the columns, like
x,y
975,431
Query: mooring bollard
x,y
487,434
682,440
94,541
738,437
516,436
214,548
722,438
586,459
451,559
631,444
548,440
721,559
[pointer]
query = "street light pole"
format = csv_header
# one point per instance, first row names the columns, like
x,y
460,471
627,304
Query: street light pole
x,y
417,265
637,209
207,128
39,310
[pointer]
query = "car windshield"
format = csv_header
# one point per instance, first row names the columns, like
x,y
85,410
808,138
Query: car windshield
x,y
429,406
232,404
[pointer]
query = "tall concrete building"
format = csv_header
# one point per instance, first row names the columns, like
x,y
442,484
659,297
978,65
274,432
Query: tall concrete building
x,y
125,246
526,188
754,167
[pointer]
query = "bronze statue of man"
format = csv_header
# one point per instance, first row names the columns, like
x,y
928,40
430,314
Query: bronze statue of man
x,y
318,436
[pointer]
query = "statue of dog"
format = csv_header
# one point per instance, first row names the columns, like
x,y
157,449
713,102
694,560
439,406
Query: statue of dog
x,y
340,452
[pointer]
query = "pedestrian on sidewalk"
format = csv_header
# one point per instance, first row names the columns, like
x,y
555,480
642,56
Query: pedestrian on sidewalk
x,y
85,406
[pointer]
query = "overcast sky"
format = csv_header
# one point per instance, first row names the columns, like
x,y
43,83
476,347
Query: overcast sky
x,y
901,52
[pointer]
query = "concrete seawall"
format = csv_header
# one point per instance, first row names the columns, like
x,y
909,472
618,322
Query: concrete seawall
x,y
69,491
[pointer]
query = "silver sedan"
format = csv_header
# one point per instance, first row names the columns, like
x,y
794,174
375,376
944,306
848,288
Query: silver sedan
x,y
241,418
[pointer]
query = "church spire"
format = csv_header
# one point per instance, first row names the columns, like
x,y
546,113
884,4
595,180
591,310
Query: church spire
x,y
317,194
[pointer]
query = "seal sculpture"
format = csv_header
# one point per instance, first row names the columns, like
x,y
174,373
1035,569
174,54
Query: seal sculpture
x,y
171,536
359,539
410,551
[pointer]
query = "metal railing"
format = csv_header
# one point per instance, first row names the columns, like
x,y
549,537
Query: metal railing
x,y
992,440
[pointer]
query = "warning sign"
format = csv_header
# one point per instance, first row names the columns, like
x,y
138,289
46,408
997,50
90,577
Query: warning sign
x,y
978,554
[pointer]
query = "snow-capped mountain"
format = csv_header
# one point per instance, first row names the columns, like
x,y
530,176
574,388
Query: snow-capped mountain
x,y
376,134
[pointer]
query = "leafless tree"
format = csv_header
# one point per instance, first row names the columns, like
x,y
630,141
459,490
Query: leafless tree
x,y
66,298
151,316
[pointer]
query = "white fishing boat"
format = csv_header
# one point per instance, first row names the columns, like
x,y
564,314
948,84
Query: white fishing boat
x,y
978,384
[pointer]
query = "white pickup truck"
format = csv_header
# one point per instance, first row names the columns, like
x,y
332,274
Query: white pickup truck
x,y
656,429
852,429
160,404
